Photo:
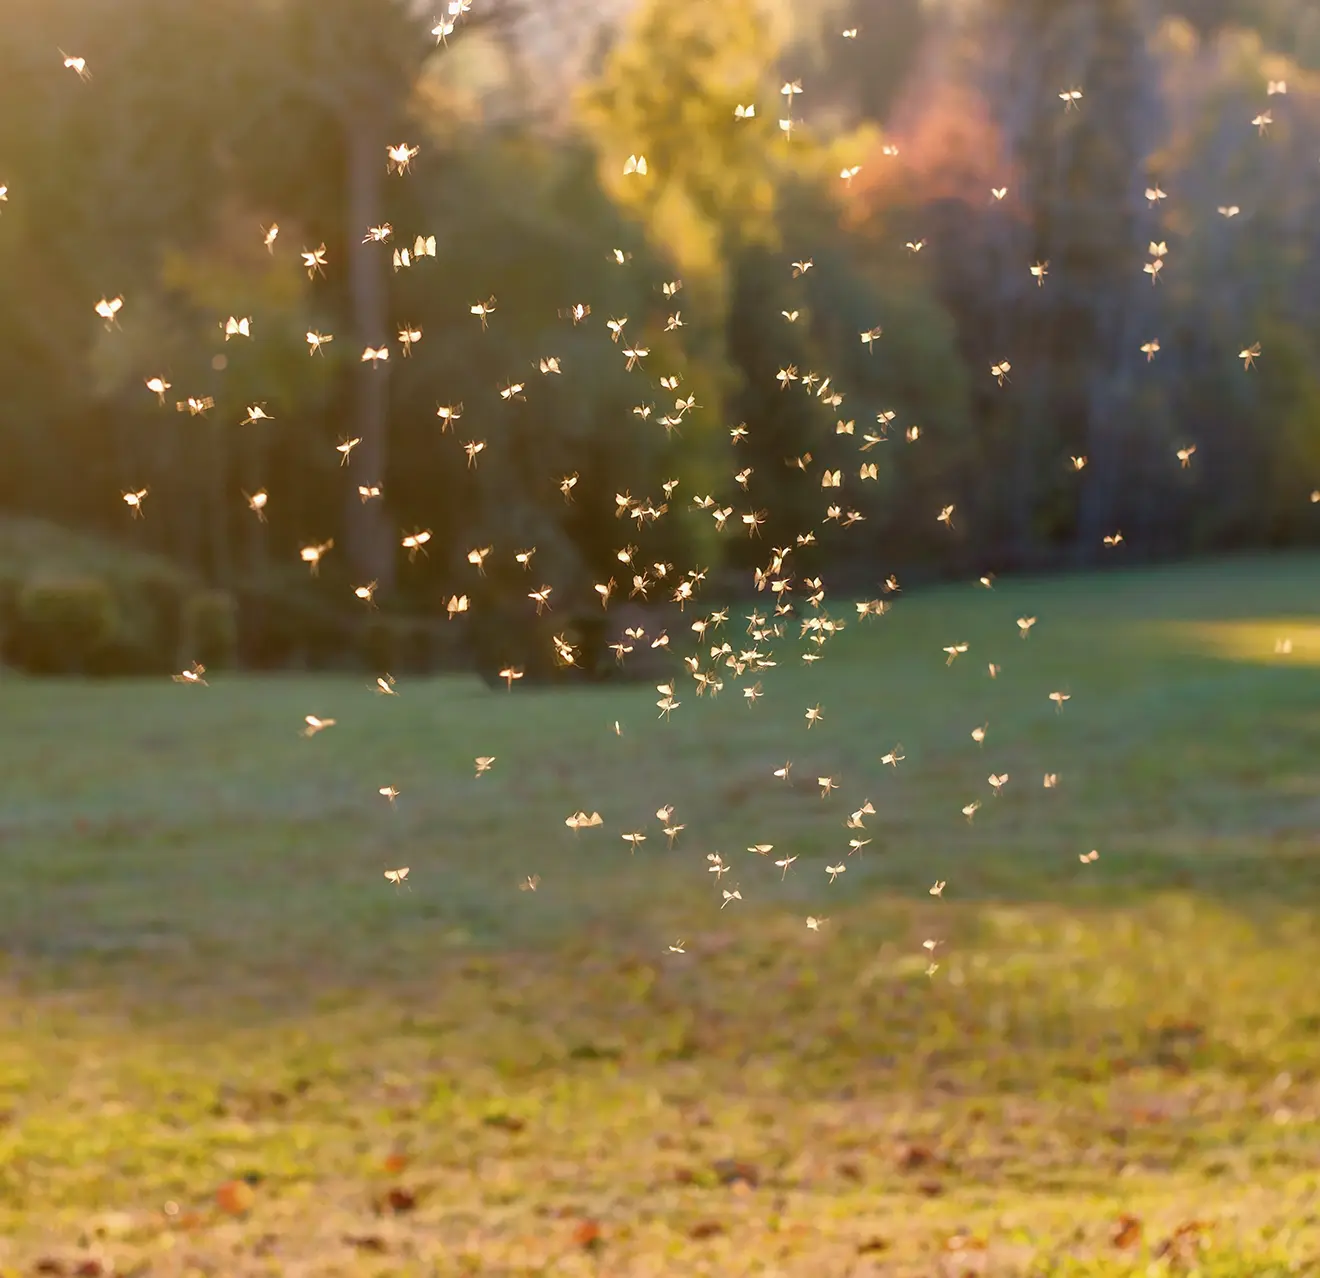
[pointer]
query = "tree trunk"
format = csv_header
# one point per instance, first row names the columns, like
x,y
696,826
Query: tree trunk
x,y
370,545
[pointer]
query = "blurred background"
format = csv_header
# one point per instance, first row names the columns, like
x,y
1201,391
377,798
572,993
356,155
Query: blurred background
x,y
932,160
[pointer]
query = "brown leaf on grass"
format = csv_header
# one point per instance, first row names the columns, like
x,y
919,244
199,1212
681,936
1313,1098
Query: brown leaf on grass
x,y
396,1199
395,1163
732,1171
1182,1245
235,1197
505,1122
49,1265
851,1171
1127,1232
872,1246
931,1188
706,1229
964,1242
366,1242
92,1268
914,1157
588,1236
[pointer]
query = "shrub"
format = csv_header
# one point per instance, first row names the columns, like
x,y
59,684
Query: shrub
x,y
210,629
282,625
63,626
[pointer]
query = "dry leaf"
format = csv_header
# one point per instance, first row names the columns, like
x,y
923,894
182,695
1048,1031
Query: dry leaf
x,y
235,1197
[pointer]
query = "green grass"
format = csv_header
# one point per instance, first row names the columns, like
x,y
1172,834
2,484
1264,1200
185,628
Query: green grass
x,y
206,975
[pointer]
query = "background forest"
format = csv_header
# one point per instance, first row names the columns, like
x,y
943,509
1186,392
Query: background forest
x,y
933,159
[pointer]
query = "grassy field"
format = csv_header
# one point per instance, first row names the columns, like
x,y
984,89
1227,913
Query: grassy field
x,y
1113,1070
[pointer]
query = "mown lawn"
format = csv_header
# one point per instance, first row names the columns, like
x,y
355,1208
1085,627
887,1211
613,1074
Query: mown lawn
x,y
1115,1065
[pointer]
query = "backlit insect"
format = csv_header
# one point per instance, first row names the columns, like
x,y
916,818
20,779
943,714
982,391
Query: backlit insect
x,y
408,338
256,413
315,341
954,651
635,164
1150,350
312,555
415,542
397,876
76,65
192,675
314,261
399,157
108,310
314,724
1039,271
1070,98
1000,371
158,386
741,112
236,327
257,503
482,310
375,355
134,500
1249,355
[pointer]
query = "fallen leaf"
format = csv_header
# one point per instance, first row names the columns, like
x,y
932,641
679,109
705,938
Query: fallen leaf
x,y
49,1265
397,1199
731,1172
235,1197
706,1229
1127,1233
872,1246
395,1163
1185,1241
587,1235
914,1157
366,1242
505,1122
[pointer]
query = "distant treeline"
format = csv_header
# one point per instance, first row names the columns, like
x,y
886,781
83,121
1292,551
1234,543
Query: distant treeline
x,y
1048,263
